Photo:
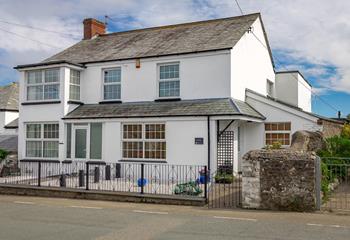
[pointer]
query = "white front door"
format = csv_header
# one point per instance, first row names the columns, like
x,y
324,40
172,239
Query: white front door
x,y
80,142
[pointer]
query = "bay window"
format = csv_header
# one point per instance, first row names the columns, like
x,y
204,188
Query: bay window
x,y
43,84
74,85
42,140
144,141
112,84
169,80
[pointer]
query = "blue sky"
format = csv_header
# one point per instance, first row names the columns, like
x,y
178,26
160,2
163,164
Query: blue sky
x,y
312,40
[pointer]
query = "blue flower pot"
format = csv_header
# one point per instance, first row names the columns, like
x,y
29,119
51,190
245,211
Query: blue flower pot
x,y
141,182
201,179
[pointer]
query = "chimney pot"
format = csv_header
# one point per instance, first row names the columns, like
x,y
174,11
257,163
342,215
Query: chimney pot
x,y
93,27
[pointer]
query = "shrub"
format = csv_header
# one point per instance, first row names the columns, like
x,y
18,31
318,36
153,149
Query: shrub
x,y
224,178
345,133
336,146
3,154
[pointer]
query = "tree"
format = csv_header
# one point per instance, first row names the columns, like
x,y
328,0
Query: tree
x,y
348,117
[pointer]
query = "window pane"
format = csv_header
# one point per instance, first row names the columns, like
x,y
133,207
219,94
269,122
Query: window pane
x,y
132,131
50,149
133,149
155,150
52,75
74,77
169,71
33,149
112,76
169,89
112,91
35,93
51,91
155,131
33,130
80,143
51,131
96,141
69,140
74,92
34,77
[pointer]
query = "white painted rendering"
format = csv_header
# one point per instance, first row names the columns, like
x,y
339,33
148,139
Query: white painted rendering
x,y
292,88
5,118
251,64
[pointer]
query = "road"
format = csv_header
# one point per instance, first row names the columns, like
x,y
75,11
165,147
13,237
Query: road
x,y
31,218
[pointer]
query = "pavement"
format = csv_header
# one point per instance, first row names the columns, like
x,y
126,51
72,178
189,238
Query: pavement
x,y
33,218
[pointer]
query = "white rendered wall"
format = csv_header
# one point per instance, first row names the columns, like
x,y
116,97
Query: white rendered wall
x,y
287,88
205,75
304,95
250,64
5,118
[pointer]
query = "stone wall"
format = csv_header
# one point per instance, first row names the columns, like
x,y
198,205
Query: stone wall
x,y
331,128
279,180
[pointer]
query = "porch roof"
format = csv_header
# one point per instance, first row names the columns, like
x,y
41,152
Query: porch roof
x,y
180,108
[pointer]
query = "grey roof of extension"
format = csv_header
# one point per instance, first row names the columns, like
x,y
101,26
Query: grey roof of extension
x,y
182,108
12,124
159,41
9,97
9,142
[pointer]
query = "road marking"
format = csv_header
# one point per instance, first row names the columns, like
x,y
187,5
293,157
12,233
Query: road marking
x,y
149,212
240,219
85,207
322,225
28,203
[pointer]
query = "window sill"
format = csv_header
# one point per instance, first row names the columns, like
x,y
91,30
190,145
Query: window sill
x,y
110,102
41,102
75,102
142,161
167,99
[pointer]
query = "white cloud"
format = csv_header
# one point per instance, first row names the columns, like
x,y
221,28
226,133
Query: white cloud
x,y
313,31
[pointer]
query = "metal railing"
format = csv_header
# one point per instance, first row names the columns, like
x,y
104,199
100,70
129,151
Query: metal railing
x,y
143,178
335,183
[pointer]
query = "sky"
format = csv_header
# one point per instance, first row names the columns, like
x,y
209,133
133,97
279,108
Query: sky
x,y
311,36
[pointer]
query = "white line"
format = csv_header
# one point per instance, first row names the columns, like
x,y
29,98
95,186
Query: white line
x,y
85,207
240,219
28,203
322,225
149,212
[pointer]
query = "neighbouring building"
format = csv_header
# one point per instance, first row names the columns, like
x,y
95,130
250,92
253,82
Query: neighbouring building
x,y
201,93
9,109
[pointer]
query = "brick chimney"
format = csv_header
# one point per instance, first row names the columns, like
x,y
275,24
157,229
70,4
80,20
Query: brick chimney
x,y
93,27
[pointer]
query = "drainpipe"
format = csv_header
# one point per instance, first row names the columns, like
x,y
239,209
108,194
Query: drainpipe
x,y
208,122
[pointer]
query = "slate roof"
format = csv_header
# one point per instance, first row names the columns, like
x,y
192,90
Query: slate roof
x,y
9,142
198,107
159,41
9,97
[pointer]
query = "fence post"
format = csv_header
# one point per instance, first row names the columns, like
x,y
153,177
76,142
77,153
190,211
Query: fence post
x,y
318,177
108,172
39,173
205,183
87,176
81,178
142,177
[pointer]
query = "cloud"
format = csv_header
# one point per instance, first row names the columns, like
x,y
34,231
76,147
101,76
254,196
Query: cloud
x,y
310,35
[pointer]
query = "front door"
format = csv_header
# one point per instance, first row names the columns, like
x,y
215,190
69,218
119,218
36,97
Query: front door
x,y
80,142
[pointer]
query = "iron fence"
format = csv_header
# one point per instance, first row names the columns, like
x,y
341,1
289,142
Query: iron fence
x,y
335,183
144,178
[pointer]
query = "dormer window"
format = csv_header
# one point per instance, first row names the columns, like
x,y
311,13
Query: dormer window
x,y
169,80
43,84
112,84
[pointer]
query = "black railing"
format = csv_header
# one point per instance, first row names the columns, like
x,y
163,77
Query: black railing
x,y
143,178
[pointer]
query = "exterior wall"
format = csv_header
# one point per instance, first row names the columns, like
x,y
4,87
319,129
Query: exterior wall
x,y
5,118
251,65
304,94
293,89
205,75
287,88
331,129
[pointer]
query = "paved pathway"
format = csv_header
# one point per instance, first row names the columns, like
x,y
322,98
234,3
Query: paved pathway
x,y
44,218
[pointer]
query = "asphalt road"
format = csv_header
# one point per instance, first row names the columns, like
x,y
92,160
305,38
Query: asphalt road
x,y
31,218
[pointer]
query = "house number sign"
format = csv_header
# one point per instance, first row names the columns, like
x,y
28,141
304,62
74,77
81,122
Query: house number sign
x,y
199,141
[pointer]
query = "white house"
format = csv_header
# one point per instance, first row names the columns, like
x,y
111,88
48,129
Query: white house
x,y
201,93
9,109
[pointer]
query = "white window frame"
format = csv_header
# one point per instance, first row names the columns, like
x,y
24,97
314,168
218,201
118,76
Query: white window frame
x,y
74,84
112,83
41,139
279,131
143,140
168,80
43,84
